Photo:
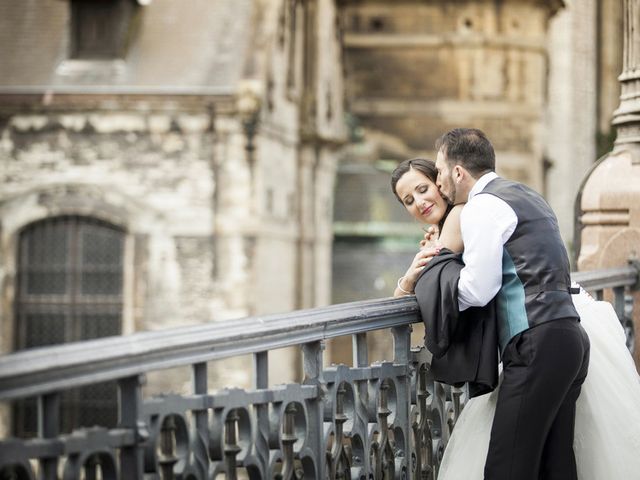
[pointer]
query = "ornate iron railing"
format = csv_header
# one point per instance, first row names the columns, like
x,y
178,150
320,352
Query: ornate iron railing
x,y
620,281
385,420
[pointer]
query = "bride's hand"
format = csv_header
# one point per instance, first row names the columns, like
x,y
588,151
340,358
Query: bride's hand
x,y
430,237
408,281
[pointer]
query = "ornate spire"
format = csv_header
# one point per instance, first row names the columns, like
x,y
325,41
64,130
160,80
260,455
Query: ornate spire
x,y
627,117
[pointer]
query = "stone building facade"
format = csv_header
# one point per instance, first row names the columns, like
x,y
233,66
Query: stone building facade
x,y
174,170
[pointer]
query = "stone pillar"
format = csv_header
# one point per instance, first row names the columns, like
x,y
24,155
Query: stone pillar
x,y
570,127
608,204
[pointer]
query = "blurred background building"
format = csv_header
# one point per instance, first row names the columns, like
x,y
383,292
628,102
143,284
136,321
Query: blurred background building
x,y
166,163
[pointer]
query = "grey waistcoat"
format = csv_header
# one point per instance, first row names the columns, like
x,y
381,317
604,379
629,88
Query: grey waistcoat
x,y
535,266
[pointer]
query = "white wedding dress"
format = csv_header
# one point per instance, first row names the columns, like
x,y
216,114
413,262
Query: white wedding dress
x,y
607,429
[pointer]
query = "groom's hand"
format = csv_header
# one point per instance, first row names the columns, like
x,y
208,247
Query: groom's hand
x,y
430,236
427,253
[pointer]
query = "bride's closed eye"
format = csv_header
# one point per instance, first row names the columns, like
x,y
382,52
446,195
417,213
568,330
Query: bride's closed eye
x,y
420,189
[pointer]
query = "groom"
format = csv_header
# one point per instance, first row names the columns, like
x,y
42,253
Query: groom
x,y
513,252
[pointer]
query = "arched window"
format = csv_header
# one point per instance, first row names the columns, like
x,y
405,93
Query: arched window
x,y
69,288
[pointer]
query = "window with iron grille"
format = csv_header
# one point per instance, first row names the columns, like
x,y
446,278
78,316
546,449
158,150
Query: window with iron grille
x,y
69,288
100,28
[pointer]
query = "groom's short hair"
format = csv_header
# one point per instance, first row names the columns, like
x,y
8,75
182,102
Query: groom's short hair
x,y
470,148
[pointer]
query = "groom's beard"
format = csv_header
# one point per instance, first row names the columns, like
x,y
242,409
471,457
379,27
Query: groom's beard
x,y
451,197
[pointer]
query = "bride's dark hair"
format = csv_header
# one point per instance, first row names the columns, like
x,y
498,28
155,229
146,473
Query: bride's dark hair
x,y
424,166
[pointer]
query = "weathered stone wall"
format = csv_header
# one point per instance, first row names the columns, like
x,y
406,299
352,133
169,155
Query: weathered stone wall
x,y
146,172
301,130
415,70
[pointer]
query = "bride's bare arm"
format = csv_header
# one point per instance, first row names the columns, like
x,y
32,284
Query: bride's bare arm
x,y
451,236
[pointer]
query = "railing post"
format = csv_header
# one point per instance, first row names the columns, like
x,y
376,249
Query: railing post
x,y
200,444
361,360
360,350
48,427
312,360
312,367
402,356
629,326
261,370
618,302
261,381
129,407
401,344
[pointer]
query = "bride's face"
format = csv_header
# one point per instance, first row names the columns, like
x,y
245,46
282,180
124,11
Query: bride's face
x,y
420,197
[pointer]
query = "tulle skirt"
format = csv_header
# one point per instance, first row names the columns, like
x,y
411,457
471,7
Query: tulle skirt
x,y
607,428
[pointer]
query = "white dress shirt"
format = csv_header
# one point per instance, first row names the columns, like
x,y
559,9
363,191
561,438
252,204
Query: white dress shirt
x,y
486,223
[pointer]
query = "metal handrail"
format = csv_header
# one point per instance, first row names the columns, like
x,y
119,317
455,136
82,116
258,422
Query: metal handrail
x,y
42,370
607,278
47,369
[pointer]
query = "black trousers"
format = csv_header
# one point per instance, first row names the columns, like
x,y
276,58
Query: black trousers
x,y
532,433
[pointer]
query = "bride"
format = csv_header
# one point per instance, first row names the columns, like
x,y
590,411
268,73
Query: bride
x,y
607,425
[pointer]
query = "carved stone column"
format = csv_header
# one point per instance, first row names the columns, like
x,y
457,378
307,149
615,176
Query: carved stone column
x,y
608,204
627,117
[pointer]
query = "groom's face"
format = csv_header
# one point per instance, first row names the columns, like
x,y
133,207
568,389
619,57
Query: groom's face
x,y
445,179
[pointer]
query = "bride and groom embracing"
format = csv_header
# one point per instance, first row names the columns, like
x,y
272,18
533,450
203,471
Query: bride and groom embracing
x,y
496,275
